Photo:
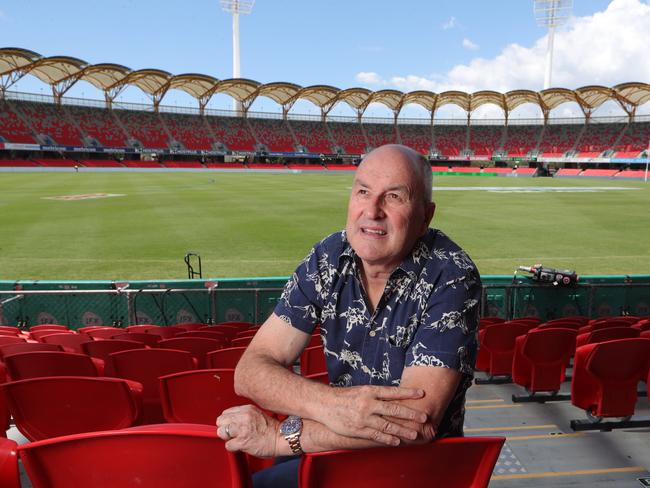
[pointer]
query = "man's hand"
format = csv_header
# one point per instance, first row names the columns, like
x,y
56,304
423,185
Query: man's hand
x,y
366,411
246,428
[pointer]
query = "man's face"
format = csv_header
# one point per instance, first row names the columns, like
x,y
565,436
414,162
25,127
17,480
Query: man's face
x,y
387,212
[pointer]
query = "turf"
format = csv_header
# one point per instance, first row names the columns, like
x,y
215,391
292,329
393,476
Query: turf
x,y
262,224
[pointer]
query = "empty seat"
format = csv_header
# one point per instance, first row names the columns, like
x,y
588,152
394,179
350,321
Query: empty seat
x,y
607,334
198,347
105,333
19,347
150,340
102,349
153,456
225,358
34,328
312,361
62,405
4,409
36,364
37,335
241,341
456,462
541,357
189,325
199,396
605,376
209,334
11,340
497,346
69,342
166,332
146,366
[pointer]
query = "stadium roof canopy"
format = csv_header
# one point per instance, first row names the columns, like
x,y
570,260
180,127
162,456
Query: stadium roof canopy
x,y
62,72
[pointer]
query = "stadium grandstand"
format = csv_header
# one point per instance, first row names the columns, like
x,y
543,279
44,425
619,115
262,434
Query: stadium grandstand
x,y
563,363
55,131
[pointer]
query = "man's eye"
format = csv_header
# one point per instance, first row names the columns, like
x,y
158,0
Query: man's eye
x,y
394,197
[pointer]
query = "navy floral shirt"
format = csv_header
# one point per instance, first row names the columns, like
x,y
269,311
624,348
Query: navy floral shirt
x,y
427,315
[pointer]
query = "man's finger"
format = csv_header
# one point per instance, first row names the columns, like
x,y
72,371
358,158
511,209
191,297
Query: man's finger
x,y
399,411
397,393
379,436
385,426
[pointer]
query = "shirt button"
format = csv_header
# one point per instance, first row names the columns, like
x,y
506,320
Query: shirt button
x,y
372,333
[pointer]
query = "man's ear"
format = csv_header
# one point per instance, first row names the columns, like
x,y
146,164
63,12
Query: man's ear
x,y
430,210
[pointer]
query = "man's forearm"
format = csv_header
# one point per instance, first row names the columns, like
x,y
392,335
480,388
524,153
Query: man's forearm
x,y
275,388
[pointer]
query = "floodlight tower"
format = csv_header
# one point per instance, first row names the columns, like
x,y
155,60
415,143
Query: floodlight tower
x,y
236,7
551,14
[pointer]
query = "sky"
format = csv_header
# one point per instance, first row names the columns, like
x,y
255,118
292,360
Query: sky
x,y
439,45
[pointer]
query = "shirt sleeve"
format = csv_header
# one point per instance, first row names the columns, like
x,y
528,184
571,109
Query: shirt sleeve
x,y
299,304
447,334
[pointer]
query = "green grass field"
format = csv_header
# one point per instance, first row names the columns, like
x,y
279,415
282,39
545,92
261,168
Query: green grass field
x,y
246,225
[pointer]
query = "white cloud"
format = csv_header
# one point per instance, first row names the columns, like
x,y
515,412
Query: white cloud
x,y
368,78
605,48
467,44
449,24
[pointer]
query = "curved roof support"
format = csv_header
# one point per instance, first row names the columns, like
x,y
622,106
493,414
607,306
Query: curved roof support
x,y
60,87
8,79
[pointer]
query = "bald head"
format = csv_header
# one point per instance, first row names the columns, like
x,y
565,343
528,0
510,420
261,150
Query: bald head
x,y
419,165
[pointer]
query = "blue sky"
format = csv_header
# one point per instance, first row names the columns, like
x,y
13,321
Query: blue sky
x,y
436,45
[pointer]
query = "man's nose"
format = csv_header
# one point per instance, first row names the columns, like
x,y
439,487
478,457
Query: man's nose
x,y
375,208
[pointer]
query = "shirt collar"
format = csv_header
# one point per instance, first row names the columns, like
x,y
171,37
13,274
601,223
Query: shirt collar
x,y
411,264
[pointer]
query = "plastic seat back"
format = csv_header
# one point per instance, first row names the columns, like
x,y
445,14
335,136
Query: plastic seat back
x,y
69,342
103,349
189,325
606,334
146,366
620,360
432,465
241,341
225,358
208,334
11,340
145,338
37,364
166,332
34,328
198,347
20,347
104,333
199,396
156,456
38,335
312,361
54,406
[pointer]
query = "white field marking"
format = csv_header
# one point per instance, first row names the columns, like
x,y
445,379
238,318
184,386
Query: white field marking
x,y
88,196
533,189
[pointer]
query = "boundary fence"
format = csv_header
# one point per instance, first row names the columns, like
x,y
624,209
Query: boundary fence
x,y
78,304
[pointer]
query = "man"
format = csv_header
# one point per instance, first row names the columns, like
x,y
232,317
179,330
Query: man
x,y
397,305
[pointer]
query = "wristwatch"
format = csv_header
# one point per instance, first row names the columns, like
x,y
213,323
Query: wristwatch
x,y
291,429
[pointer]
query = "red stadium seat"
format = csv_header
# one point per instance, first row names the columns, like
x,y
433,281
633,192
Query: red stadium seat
x,y
312,361
541,357
199,396
11,340
34,328
225,358
497,347
434,464
605,376
198,347
37,364
103,349
20,347
62,405
608,334
146,366
37,335
145,338
152,456
69,342
105,333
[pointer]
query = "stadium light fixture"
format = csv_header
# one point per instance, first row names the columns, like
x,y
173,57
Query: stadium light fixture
x,y
236,7
551,14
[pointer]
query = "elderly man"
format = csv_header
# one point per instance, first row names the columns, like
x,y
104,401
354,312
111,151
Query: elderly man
x,y
397,303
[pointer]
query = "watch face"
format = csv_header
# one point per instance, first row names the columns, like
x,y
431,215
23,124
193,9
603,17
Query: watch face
x,y
291,425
